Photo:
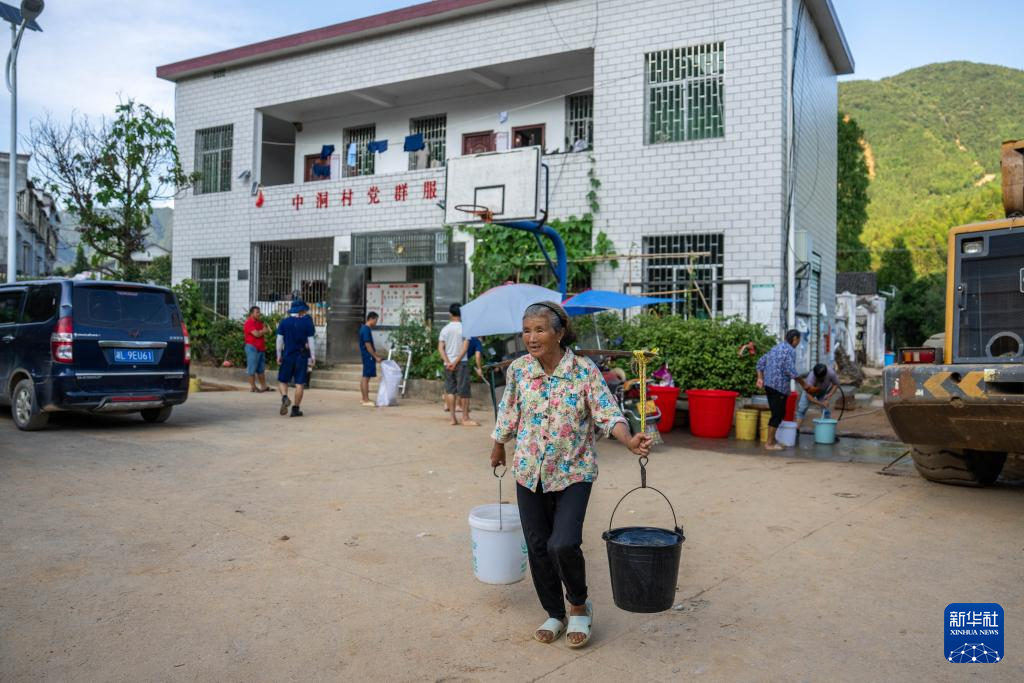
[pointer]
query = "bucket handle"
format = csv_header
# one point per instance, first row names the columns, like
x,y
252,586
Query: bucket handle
x,y
643,485
499,478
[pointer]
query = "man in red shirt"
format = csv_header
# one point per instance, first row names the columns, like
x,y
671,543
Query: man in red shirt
x,y
256,332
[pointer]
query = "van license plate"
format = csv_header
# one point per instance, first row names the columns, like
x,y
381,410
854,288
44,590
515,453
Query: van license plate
x,y
134,356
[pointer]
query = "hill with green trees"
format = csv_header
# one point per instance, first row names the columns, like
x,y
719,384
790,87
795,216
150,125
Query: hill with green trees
x,y
932,137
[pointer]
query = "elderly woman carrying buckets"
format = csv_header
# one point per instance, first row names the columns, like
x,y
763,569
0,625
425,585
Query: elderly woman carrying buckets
x,y
552,405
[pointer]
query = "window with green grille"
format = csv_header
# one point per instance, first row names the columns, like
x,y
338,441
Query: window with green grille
x,y
434,130
212,275
361,137
213,159
685,93
579,120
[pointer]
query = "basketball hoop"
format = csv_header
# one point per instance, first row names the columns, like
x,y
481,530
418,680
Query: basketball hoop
x,y
482,213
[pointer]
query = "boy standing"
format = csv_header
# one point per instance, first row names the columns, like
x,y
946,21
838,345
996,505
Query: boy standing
x,y
369,354
454,348
295,353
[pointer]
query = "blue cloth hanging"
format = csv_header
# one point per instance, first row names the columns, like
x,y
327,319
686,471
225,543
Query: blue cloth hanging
x,y
379,146
350,159
326,151
321,170
414,143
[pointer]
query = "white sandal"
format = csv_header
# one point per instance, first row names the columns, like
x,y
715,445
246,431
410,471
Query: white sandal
x,y
580,624
552,625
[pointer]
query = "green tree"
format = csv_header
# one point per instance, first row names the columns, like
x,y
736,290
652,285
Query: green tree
x,y
108,175
158,271
502,254
851,197
918,311
897,268
81,263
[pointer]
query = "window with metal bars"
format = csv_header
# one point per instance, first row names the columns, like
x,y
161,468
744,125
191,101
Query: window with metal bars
x,y
213,159
212,275
283,269
361,136
579,121
685,93
435,131
677,266
400,248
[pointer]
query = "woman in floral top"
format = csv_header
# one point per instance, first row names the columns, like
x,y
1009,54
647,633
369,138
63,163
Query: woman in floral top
x,y
553,402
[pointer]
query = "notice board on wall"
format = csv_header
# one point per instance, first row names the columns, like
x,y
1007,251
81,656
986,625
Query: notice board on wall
x,y
390,299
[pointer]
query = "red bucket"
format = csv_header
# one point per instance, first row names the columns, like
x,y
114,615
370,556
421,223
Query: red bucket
x,y
665,398
791,405
711,412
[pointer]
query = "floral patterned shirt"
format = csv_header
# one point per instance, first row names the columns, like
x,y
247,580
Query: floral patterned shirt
x,y
553,418
779,367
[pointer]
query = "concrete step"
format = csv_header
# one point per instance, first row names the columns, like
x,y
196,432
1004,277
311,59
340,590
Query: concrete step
x,y
339,375
340,384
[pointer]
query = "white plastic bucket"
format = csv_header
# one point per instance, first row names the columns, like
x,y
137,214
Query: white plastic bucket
x,y
499,554
786,433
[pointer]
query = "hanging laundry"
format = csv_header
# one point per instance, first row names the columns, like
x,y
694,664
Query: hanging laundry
x,y
321,170
379,146
326,151
420,158
414,143
351,156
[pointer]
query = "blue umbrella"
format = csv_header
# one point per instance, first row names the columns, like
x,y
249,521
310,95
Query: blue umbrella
x,y
596,300
500,309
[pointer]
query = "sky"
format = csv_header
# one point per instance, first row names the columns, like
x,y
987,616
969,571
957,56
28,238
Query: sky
x,y
93,51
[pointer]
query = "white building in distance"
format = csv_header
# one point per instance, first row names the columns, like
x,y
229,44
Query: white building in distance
x,y
682,110
37,226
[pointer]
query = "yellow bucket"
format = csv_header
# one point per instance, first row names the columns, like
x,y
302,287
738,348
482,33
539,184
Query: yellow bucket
x,y
193,385
746,425
765,416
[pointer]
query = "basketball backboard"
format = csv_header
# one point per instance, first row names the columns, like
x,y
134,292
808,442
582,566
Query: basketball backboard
x,y
504,184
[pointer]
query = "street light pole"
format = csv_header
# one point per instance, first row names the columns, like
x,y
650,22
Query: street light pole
x,y
30,9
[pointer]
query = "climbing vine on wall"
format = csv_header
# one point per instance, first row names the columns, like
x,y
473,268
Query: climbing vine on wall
x,y
502,255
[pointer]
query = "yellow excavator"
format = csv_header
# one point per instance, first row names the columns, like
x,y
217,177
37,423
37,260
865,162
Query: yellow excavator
x,y
960,406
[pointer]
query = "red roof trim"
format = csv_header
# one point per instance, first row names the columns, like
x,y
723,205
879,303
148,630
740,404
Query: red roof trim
x,y
295,41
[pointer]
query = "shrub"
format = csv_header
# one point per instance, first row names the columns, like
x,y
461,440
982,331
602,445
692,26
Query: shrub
x,y
226,342
701,354
197,317
420,337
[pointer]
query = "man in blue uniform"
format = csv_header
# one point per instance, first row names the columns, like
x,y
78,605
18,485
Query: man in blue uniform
x,y
369,354
295,354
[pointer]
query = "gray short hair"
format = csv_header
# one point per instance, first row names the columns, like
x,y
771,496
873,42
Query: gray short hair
x,y
557,318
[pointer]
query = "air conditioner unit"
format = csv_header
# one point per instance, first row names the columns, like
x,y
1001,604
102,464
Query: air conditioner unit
x,y
803,245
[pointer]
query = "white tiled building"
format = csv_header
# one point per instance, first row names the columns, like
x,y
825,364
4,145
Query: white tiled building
x,y
685,106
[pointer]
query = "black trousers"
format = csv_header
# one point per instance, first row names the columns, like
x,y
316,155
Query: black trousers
x,y
553,527
777,404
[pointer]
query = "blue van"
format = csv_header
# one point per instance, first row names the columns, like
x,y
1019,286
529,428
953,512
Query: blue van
x,y
94,346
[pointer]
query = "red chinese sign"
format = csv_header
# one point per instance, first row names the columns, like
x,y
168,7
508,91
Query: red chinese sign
x,y
374,195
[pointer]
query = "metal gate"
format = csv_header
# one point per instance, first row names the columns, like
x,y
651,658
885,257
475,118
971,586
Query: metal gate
x,y
283,270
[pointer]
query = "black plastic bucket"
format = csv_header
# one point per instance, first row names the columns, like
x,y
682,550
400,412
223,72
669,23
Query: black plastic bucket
x,y
644,561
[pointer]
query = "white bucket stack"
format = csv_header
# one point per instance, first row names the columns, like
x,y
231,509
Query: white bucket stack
x,y
499,549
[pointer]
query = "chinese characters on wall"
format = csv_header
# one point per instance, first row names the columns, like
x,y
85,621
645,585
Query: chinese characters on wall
x,y
401,192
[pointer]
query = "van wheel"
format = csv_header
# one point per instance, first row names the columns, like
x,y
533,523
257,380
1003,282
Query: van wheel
x,y
157,415
956,467
24,408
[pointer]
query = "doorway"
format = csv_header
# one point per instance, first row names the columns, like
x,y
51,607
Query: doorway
x,y
477,143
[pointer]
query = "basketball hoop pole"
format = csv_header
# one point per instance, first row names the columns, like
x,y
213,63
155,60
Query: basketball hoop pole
x,y
542,228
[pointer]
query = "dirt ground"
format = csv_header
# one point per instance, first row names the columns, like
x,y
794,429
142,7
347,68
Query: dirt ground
x,y
232,544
